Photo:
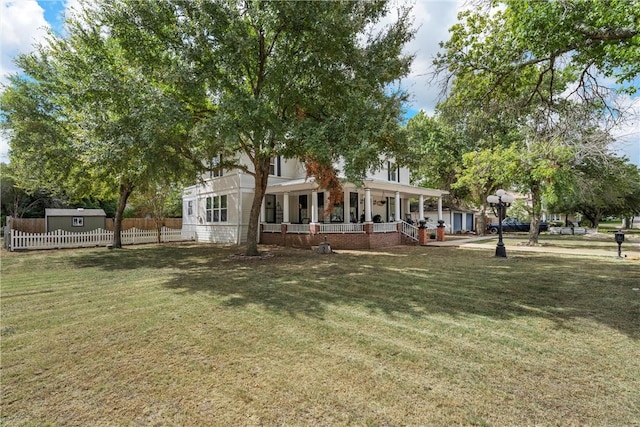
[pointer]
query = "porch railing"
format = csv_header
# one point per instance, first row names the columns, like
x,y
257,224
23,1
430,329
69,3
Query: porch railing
x,y
298,228
271,228
341,228
385,227
410,230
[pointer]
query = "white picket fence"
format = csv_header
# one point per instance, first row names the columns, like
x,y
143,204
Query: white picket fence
x,y
64,239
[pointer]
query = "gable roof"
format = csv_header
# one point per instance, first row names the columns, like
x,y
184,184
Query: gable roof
x,y
74,212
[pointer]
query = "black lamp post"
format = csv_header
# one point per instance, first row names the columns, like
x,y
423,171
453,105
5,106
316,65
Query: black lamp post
x,y
501,200
619,240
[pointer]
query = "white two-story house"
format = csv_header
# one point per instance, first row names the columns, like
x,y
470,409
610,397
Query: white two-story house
x,y
381,211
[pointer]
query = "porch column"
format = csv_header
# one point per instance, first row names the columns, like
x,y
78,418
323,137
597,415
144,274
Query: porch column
x,y
314,206
407,208
263,210
440,208
396,214
420,207
285,208
367,205
346,212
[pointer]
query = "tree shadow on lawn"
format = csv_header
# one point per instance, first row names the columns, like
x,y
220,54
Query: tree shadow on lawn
x,y
401,282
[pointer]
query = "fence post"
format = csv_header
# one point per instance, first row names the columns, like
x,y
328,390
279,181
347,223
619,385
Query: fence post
x,y
6,238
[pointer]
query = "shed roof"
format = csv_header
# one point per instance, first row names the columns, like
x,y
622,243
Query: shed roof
x,y
74,212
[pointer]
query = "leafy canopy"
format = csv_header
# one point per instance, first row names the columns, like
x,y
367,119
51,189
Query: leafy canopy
x,y
306,80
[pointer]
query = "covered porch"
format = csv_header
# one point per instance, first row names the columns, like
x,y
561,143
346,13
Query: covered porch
x,y
375,214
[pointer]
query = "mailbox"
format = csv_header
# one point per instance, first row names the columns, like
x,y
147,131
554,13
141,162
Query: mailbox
x,y
619,240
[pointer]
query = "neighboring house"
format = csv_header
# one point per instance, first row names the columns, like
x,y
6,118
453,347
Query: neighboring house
x,y
294,211
74,220
457,220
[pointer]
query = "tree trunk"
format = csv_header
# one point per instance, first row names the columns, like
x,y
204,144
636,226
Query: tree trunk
x,y
534,229
627,222
482,221
261,178
125,191
158,222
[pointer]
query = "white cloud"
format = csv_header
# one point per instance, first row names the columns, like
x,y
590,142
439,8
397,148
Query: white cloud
x,y
22,26
433,19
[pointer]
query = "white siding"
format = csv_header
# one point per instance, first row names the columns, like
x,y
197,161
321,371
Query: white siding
x,y
212,233
239,189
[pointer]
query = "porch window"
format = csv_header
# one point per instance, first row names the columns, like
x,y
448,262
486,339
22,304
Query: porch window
x,y
337,214
321,212
216,209
391,209
303,208
190,207
353,207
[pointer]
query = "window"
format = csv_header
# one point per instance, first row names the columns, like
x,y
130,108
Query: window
x,y
216,209
274,166
77,221
214,171
393,172
190,207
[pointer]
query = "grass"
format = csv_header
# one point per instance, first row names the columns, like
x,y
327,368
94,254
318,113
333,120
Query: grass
x,y
186,335
600,241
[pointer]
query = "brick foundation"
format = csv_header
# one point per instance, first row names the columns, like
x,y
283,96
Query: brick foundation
x,y
337,240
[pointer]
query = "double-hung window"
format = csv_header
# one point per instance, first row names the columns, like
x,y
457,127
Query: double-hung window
x,y
393,172
216,209
275,166
214,170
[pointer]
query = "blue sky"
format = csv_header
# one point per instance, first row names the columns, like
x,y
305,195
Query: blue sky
x,y
23,23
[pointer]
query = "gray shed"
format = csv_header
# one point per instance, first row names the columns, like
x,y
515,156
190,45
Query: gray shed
x,y
74,220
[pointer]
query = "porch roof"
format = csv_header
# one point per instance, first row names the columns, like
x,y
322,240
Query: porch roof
x,y
406,191
309,184
302,184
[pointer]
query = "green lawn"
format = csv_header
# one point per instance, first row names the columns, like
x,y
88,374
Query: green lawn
x,y
601,241
186,335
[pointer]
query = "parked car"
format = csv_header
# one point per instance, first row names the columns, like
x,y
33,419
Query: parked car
x,y
512,224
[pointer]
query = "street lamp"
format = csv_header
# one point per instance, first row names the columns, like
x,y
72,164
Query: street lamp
x,y
501,200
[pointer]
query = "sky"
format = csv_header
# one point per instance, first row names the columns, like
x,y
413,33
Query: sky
x,y
23,23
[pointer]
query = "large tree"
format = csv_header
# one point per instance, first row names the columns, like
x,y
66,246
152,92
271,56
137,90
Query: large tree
x,y
534,69
85,121
600,188
484,171
436,149
594,40
307,80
